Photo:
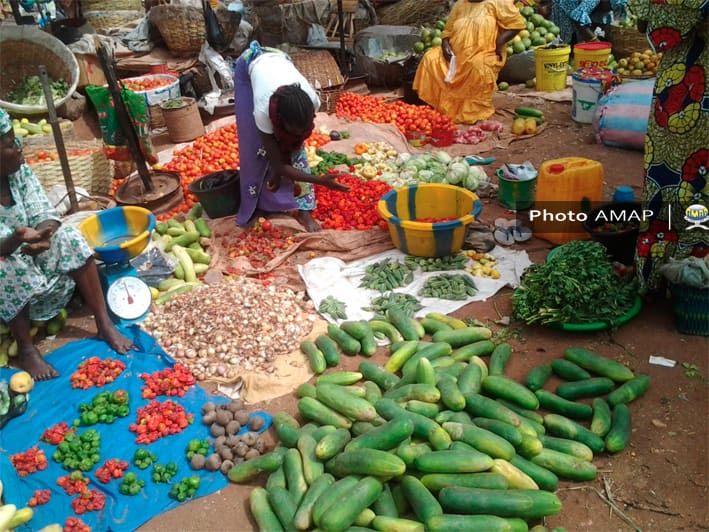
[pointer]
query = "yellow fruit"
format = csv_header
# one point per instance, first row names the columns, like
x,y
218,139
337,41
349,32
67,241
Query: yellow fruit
x,y
647,52
518,126
21,382
623,63
636,72
154,293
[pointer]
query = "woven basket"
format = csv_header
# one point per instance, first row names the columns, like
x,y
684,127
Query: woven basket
x,y
329,98
111,5
104,21
691,309
91,172
22,50
182,27
319,68
625,41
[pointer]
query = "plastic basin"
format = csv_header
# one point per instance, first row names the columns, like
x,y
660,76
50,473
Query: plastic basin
x,y
117,235
402,206
620,244
218,193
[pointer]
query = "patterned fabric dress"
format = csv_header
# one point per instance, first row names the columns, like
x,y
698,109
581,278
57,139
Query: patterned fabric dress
x,y
566,13
41,281
677,142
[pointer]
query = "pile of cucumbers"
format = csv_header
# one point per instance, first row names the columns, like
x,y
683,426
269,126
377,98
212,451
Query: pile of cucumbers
x,y
437,439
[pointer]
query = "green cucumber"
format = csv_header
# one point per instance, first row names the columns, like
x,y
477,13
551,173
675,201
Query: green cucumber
x,y
372,392
516,478
322,431
408,452
423,427
347,404
566,446
432,326
466,523
529,446
263,514
283,506
564,427
470,381
421,392
523,412
361,427
314,410
558,405
569,371
456,417
544,478
564,465
537,377
601,421
378,375
312,466
246,471
306,390
420,499
332,444
384,505
453,462
629,391
499,359
329,496
425,374
385,437
409,328
504,388
276,479
303,519
449,393
399,357
525,504
362,332
384,523
423,408
619,435
593,387
437,481
481,406
348,344
384,328
344,510
480,348
366,462
295,477
461,337
315,356
341,378
504,430
529,111
598,364
483,440
329,349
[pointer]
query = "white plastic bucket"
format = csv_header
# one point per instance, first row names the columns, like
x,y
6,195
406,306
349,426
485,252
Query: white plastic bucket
x,y
586,93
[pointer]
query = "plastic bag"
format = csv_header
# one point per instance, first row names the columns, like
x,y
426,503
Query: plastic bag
x,y
153,266
451,70
115,145
216,36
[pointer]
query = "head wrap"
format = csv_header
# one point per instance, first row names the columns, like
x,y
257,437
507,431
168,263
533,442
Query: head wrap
x,y
5,122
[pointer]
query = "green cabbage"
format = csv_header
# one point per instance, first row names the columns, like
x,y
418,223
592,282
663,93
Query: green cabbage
x,y
457,172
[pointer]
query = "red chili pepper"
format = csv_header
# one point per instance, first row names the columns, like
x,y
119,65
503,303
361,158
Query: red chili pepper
x,y
356,209
150,417
74,524
170,382
96,372
40,497
29,461
55,434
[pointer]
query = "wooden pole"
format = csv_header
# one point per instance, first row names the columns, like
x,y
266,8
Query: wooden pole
x,y
58,139
343,51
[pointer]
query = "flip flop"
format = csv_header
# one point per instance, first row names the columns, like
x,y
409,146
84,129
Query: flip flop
x,y
503,231
474,160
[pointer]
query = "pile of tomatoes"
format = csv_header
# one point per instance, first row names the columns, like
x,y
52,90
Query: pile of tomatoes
x,y
39,497
74,524
147,83
260,243
55,434
30,461
111,469
317,140
406,117
170,382
157,419
43,156
96,372
356,209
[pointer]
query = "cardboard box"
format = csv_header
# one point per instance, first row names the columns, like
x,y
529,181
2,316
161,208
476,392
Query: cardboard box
x,y
90,71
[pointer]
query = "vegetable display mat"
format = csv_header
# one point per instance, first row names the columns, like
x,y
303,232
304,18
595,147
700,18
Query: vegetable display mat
x,y
330,276
54,401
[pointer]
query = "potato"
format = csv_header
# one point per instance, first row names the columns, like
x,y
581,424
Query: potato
x,y
221,440
210,417
250,438
260,445
225,453
238,460
232,440
256,423
208,407
224,417
253,453
214,462
198,462
233,427
226,466
217,430
236,405
241,449
242,417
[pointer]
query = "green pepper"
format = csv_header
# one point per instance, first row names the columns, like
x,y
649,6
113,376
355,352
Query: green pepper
x,y
123,489
130,477
193,482
134,489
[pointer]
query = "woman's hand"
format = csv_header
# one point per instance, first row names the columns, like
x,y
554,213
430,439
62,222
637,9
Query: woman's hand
x,y
329,182
446,49
273,183
28,235
37,241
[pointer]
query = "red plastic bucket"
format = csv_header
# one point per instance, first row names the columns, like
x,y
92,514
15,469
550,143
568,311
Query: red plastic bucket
x,y
416,138
442,137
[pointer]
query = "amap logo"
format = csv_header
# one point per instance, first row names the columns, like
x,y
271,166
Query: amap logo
x,y
696,215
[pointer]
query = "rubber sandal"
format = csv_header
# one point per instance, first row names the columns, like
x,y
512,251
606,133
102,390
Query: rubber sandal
x,y
519,231
503,236
474,160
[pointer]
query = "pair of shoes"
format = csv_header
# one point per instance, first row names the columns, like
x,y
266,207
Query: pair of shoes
x,y
507,232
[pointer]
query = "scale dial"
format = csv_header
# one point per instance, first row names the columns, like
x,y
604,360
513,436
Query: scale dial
x,y
128,298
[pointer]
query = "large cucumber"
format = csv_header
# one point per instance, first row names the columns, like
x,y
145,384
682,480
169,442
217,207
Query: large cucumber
x,y
566,446
537,377
449,393
516,478
479,349
312,466
619,435
523,412
598,364
629,391
564,427
544,478
502,429
437,481
421,392
461,337
467,523
332,444
303,519
283,506
295,477
409,328
481,406
385,437
337,398
366,462
399,357
409,452
453,462
384,328
316,357
470,381
423,427
329,349
362,332
420,499
601,421
525,504
314,410
558,405
378,375
430,410
344,511
593,387
385,505
564,465
329,496
504,388
569,371
348,344
246,471
483,440
499,358
384,523
263,514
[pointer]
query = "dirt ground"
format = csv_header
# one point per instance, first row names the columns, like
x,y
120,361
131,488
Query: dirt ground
x,y
660,482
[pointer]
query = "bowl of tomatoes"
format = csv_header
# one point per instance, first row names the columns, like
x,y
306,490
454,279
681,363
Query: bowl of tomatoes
x,y
616,226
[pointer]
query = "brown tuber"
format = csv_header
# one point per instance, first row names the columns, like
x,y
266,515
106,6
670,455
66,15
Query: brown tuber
x,y
214,462
260,445
210,417
224,417
197,462
216,430
226,466
233,427
220,441
208,407
225,453
242,417
253,453
241,449
236,405
238,460
232,440
256,423
250,438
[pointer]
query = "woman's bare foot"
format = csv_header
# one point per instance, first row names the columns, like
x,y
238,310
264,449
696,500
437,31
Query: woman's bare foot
x,y
31,361
306,220
116,340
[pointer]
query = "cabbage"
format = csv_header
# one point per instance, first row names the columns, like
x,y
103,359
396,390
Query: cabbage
x,y
425,176
437,168
419,163
457,172
437,178
408,175
474,177
403,157
443,157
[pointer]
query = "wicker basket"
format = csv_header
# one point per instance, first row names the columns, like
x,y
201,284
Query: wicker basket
x,y
319,68
625,41
22,50
691,309
182,27
111,5
91,172
329,98
104,21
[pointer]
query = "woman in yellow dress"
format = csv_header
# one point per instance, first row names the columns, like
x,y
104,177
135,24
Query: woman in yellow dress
x,y
476,33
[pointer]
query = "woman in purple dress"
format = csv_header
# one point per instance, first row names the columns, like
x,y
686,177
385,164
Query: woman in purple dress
x,y
275,112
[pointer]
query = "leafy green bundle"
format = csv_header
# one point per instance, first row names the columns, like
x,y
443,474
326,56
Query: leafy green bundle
x,y
29,91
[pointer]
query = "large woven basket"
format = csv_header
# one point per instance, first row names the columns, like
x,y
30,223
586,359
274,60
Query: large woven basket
x,y
322,72
104,21
111,5
22,50
691,309
91,171
182,27
625,41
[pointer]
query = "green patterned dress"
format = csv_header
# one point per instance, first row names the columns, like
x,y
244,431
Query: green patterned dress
x,y
41,281
677,142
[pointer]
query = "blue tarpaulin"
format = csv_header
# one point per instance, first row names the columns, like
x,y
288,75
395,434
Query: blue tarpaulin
x,y
54,401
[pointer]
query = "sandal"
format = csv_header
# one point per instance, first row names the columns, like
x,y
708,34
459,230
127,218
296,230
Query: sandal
x,y
503,232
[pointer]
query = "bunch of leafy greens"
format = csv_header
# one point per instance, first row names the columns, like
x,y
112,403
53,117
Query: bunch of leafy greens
x,y
29,91
577,284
